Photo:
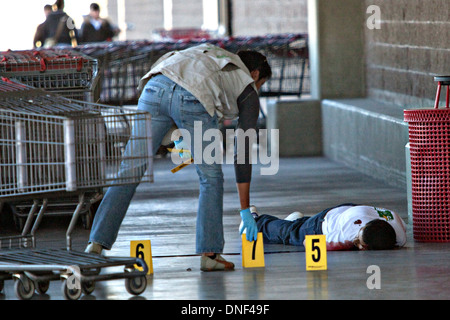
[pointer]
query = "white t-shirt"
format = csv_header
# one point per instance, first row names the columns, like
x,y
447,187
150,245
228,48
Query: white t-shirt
x,y
96,23
343,223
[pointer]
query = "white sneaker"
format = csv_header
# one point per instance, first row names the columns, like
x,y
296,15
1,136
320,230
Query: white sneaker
x,y
215,264
94,248
294,216
254,212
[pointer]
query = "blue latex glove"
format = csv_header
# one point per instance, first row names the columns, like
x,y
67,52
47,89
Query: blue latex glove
x,y
249,223
181,145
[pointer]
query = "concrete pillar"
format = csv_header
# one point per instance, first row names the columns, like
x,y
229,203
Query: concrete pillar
x,y
336,45
299,125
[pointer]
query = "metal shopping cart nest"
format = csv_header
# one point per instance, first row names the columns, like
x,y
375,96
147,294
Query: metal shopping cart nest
x,y
60,70
124,63
51,143
50,146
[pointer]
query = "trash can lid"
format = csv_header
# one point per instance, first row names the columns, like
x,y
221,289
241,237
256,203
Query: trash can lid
x,y
444,79
427,115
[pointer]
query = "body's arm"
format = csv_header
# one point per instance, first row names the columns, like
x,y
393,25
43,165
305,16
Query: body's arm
x,y
244,194
248,103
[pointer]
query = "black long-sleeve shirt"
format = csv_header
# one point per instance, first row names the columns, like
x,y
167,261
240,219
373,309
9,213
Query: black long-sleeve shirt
x,y
248,104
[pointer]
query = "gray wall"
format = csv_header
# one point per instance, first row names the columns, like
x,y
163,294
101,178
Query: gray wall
x,y
250,17
336,40
259,17
412,45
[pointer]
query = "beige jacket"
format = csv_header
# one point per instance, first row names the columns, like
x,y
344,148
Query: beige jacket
x,y
213,75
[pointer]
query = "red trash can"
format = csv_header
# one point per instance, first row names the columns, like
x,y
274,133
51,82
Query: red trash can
x,y
429,138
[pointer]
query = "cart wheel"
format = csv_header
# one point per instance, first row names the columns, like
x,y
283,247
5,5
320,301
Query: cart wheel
x,y
24,287
70,294
136,285
42,286
88,287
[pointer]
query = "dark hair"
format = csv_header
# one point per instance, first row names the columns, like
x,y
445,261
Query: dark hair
x,y
95,7
254,60
379,235
59,4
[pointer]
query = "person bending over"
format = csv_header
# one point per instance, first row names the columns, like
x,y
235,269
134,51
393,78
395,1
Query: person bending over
x,y
194,89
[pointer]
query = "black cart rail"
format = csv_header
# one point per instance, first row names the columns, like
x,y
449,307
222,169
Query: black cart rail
x,y
56,149
33,269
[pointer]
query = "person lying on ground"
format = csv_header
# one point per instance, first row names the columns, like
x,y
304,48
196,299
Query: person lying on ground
x,y
346,227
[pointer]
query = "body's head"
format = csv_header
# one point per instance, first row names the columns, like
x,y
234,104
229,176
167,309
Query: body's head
x,y
376,235
257,65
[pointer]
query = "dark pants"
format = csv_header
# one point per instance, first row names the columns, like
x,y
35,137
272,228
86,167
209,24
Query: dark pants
x,y
276,230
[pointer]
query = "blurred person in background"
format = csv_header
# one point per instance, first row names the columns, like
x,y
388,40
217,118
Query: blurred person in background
x,y
59,28
96,29
39,39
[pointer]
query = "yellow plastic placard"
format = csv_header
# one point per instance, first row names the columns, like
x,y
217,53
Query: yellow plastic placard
x,y
181,166
316,252
252,252
142,249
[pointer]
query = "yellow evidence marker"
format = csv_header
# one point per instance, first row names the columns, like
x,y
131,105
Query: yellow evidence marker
x,y
181,166
316,252
142,249
185,163
252,252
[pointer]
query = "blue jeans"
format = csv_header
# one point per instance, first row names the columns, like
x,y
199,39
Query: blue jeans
x,y
279,231
169,103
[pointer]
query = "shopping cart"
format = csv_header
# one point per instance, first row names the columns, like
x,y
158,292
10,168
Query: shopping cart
x,y
121,79
33,269
64,71
52,148
102,133
287,54
181,34
123,64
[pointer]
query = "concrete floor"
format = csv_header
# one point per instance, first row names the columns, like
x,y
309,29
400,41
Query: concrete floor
x,y
165,211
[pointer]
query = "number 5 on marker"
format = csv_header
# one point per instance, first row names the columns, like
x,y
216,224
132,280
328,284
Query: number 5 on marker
x,y
252,252
316,252
142,249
